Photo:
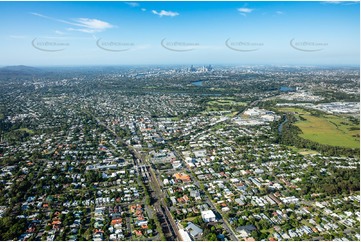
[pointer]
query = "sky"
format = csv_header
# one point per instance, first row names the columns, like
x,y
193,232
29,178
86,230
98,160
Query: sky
x,y
141,33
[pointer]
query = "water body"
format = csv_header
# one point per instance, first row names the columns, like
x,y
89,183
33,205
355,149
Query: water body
x,y
210,94
186,93
287,89
280,127
197,83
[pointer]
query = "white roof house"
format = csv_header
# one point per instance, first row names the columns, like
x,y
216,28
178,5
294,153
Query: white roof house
x,y
208,216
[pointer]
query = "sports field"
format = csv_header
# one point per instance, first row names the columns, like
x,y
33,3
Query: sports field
x,y
224,104
327,129
29,131
226,101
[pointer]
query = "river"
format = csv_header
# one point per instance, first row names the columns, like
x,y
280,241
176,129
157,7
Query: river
x,y
197,83
280,127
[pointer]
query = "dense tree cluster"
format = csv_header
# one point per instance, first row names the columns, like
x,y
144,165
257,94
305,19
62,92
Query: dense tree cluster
x,y
11,228
339,181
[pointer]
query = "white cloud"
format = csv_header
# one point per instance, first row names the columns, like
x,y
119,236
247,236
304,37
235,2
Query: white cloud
x,y
88,31
143,9
59,32
279,12
332,2
165,13
18,36
50,18
39,15
94,25
340,2
132,4
245,10
87,25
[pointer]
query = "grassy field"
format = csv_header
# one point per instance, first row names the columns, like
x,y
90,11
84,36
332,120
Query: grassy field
x,y
26,130
175,119
326,129
225,102
303,151
191,219
2,109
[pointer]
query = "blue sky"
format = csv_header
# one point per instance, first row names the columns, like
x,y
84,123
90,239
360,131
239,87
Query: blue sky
x,y
112,33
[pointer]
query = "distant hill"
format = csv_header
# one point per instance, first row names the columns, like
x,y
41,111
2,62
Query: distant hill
x,y
18,71
20,68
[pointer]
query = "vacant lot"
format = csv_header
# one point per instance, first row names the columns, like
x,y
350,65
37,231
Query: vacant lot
x,y
327,129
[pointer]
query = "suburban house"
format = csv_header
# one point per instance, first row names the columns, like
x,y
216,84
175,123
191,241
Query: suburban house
x,y
245,231
208,216
193,230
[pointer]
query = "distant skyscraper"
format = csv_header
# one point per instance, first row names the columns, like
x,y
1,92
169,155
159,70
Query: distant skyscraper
x,y
192,69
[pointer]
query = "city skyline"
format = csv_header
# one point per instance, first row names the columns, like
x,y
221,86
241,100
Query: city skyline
x,y
178,33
